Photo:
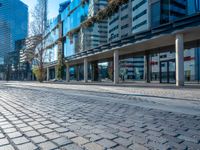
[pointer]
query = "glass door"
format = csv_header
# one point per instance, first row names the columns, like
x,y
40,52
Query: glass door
x,y
164,72
167,71
172,71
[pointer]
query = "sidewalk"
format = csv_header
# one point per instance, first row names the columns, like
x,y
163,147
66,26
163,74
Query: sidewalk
x,y
170,91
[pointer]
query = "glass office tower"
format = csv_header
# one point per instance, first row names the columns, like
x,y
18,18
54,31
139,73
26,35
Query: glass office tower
x,y
13,25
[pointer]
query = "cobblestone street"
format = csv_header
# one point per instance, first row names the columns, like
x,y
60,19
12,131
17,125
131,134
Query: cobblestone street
x,y
91,117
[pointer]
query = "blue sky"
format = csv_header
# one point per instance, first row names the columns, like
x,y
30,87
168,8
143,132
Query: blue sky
x,y
52,7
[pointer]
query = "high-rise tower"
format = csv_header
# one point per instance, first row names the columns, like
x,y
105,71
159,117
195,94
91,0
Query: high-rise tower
x,y
13,25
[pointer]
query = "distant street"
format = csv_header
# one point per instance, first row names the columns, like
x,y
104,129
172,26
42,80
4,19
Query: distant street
x,y
96,117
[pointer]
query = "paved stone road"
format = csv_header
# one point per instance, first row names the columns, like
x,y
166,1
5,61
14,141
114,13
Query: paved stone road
x,y
69,117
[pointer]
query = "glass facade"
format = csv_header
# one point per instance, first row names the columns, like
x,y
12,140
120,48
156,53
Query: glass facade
x,y
193,6
13,25
72,16
163,66
132,68
132,18
165,11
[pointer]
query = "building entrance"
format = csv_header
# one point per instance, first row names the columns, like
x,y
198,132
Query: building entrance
x,y
168,71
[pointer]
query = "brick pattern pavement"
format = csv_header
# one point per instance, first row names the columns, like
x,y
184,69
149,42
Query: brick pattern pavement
x,y
48,118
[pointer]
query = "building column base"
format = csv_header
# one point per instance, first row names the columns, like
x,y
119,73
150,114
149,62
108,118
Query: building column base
x,y
67,73
116,67
85,70
179,60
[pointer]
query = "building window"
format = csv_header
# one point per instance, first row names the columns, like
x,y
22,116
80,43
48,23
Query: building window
x,y
139,5
140,15
124,27
139,25
155,15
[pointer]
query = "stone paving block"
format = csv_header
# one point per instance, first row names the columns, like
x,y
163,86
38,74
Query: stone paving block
x,y
4,123
73,127
72,120
154,133
124,134
2,119
14,135
45,130
21,125
47,145
52,135
33,123
7,147
93,146
120,148
87,127
108,136
174,139
38,139
6,126
10,130
38,126
28,120
27,146
174,145
52,126
4,141
125,129
157,128
40,119
71,147
139,129
155,139
2,135
191,145
80,140
61,130
136,146
171,133
190,139
46,122
17,122
82,132
62,141
25,129
93,137
139,139
31,133
69,135
123,142
20,140
96,131
107,143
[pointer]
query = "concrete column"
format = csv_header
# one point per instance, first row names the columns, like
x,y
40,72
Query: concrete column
x,y
85,70
179,60
116,66
47,73
67,73
95,71
147,72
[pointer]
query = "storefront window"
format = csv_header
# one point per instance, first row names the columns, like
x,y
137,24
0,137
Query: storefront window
x,y
132,68
191,64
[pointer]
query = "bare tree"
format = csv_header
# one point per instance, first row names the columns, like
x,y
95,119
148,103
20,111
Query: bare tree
x,y
35,50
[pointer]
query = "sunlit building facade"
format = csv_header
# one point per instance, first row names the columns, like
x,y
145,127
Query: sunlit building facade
x,y
148,22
